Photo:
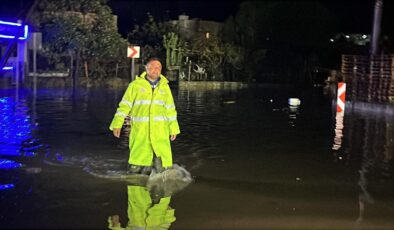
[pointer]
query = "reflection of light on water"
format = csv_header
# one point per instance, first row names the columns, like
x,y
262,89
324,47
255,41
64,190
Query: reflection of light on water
x,y
15,128
367,139
294,104
6,186
338,131
9,164
370,158
377,153
292,117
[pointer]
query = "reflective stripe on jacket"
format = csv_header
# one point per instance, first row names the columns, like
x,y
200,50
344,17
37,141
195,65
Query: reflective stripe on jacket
x,y
153,120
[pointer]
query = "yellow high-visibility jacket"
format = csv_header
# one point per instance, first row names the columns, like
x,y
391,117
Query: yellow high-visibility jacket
x,y
153,120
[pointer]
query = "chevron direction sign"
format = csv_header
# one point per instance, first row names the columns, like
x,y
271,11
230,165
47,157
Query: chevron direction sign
x,y
341,97
133,51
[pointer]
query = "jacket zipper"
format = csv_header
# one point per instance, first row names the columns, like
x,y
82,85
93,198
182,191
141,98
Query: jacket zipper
x,y
150,120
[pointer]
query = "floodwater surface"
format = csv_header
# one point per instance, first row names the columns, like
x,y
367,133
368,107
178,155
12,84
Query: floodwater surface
x,y
255,163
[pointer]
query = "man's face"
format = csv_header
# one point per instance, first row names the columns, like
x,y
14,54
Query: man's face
x,y
153,69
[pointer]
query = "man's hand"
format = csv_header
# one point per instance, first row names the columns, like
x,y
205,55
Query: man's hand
x,y
116,132
173,137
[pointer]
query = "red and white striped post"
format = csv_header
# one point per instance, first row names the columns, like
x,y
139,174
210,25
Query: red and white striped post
x,y
339,116
341,97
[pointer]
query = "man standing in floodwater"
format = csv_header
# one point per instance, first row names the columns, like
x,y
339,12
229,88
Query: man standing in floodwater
x,y
149,102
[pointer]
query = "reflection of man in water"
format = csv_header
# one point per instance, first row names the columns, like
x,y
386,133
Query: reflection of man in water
x,y
145,211
154,123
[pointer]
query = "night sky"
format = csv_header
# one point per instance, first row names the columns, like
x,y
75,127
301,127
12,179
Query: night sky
x,y
131,12
354,15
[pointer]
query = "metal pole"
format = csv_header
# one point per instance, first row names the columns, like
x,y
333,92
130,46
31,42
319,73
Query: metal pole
x,y
376,26
132,68
21,62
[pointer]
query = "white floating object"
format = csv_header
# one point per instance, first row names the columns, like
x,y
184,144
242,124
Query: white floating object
x,y
294,102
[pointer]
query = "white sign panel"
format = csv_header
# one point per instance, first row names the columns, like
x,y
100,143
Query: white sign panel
x,y
133,52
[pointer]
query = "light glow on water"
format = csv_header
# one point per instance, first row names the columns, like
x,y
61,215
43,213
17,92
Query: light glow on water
x,y
9,164
6,186
15,127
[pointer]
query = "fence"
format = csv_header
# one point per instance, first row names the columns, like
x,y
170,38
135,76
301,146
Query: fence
x,y
369,78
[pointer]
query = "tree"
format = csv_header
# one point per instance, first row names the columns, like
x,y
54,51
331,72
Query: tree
x,y
234,62
208,52
241,33
175,49
85,30
150,37
278,36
